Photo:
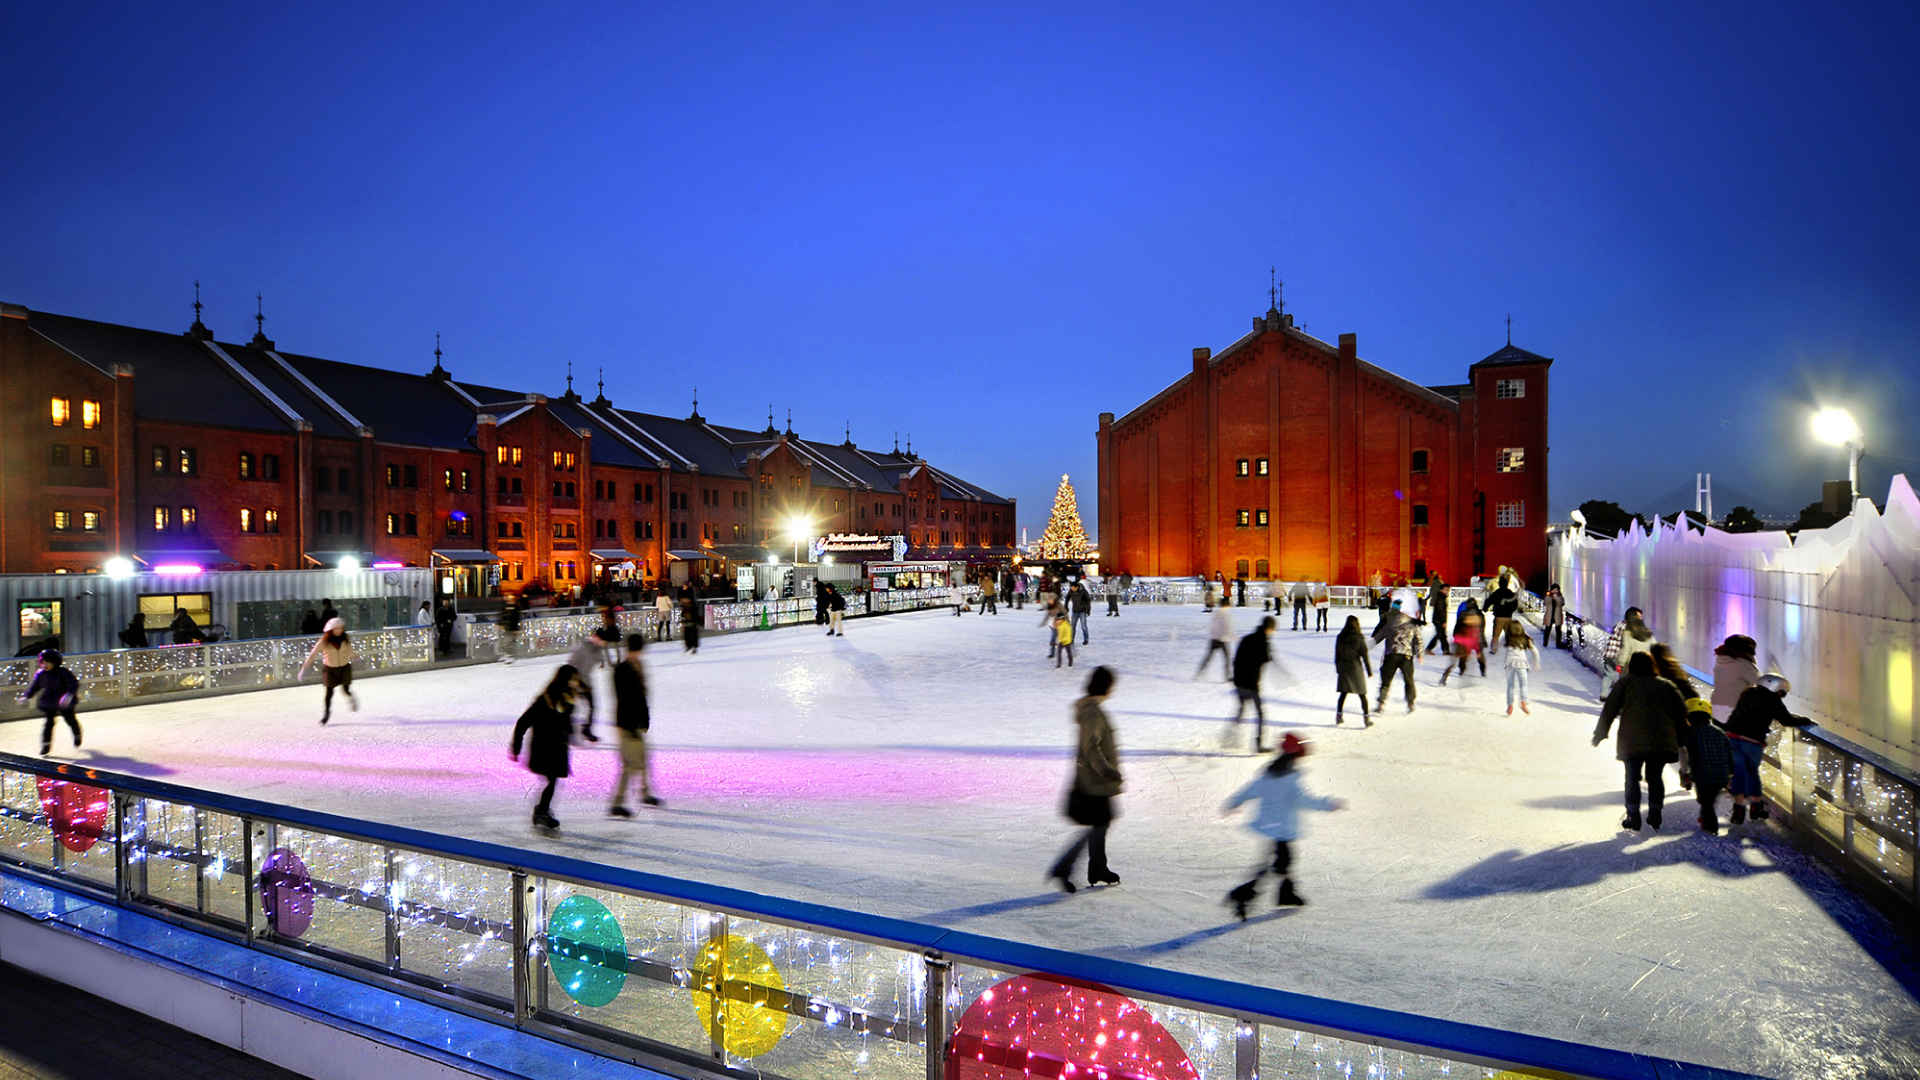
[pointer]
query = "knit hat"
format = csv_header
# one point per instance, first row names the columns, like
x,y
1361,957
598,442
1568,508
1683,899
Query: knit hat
x,y
51,656
1292,746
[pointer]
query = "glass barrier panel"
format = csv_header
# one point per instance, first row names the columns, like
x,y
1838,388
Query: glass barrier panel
x,y
1884,857
1287,1054
24,832
82,822
166,859
223,840
227,678
455,923
812,1006
1004,1026
326,890
620,962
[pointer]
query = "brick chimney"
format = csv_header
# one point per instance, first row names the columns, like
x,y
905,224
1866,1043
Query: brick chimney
x,y
1349,346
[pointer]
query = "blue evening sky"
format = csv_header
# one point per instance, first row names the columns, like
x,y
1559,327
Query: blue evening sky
x,y
986,226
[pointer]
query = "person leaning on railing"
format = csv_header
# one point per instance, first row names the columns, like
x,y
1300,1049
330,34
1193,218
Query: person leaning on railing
x,y
1757,710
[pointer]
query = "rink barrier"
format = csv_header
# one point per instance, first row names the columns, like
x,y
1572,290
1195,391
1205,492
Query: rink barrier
x,y
170,672
725,616
1856,806
702,980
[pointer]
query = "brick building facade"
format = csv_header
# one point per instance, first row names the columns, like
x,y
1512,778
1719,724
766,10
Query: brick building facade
x,y
1288,458
179,448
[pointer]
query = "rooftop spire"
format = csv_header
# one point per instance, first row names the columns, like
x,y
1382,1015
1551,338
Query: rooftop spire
x,y
438,372
569,378
696,417
1509,327
600,399
789,420
198,329
260,340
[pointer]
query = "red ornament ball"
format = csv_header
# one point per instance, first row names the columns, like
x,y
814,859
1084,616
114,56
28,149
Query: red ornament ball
x,y
1029,1026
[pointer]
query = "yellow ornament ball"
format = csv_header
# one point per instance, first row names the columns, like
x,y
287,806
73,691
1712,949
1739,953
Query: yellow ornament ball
x,y
748,1025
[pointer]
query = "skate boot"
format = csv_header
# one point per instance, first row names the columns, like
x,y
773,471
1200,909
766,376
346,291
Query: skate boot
x,y
1104,877
1739,814
1653,818
1760,811
1710,821
1631,822
1240,897
1287,897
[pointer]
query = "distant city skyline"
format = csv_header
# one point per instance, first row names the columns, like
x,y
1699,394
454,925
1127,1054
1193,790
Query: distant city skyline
x,y
984,231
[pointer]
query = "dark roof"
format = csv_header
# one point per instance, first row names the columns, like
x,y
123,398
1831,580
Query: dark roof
x,y
492,395
261,366
691,441
398,407
608,447
1453,390
1514,354
175,378
858,465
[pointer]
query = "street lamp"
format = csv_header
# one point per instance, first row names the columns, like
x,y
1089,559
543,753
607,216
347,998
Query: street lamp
x,y
1836,427
797,531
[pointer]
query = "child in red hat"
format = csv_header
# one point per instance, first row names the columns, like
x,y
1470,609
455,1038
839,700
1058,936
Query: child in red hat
x,y
1278,791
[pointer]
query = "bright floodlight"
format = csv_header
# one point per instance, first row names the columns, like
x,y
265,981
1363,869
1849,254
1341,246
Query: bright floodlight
x,y
1835,427
118,567
797,527
348,564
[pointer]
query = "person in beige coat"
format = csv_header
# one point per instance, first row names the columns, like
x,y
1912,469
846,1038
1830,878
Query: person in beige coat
x,y
1096,780
335,654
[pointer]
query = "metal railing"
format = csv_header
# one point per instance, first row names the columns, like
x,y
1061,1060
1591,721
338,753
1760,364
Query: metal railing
x,y
139,676
698,978
1855,805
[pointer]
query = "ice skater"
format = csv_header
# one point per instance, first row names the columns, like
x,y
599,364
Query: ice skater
x,y
631,716
1651,713
1079,607
1630,635
1756,711
1111,587
1249,660
1096,780
1353,665
588,654
1219,629
1711,758
1062,639
1521,655
1468,623
1437,594
1281,798
689,625
54,691
1401,632
335,654
550,722
1321,599
836,612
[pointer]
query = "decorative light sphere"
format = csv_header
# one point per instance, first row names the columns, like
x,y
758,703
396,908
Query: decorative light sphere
x,y
1835,427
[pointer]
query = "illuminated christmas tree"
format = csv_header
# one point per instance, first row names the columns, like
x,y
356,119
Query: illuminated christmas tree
x,y
1065,537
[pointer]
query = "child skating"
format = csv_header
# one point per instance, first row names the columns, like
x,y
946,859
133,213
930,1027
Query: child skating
x,y
53,691
335,654
1520,658
1278,791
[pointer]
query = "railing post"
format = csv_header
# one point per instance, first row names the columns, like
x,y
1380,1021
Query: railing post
x,y
393,916
522,951
199,860
122,872
252,872
1246,1050
717,986
939,970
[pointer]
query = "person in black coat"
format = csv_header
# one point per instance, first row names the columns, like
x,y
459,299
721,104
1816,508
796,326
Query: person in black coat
x,y
135,635
443,620
632,717
54,691
1652,714
1438,592
1353,663
1249,659
1754,714
550,722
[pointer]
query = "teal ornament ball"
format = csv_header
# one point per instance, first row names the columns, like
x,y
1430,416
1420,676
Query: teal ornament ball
x,y
586,951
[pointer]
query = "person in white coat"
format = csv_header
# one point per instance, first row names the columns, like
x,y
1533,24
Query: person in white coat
x,y
1219,632
335,654
1281,798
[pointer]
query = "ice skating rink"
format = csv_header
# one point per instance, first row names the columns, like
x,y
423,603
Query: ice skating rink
x,y
915,768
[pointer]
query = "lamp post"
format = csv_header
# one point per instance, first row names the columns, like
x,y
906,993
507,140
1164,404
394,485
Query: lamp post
x,y
1836,427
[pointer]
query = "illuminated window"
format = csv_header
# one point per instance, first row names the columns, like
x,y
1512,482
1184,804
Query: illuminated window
x,y
89,413
1260,469
466,479
90,521
189,462
270,521
1242,467
393,476
1510,515
1242,518
499,455
62,411
1511,459
1260,517
90,457
246,520
1510,388
1240,569
246,466
1260,569
1418,464
160,459
514,457
189,519
1419,513
62,520
393,524
160,516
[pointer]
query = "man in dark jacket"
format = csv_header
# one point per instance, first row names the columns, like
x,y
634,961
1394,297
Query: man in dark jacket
x,y
1249,659
1401,632
185,630
631,716
310,624
1079,606
443,627
54,691
1437,595
1503,604
1652,714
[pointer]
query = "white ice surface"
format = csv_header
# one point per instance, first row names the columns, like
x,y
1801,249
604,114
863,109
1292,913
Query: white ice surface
x,y
914,768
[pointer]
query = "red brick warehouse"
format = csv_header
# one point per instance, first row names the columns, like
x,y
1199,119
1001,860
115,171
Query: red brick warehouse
x,y
1288,458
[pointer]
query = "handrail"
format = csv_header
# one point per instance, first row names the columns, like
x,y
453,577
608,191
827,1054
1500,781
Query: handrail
x,y
1245,1006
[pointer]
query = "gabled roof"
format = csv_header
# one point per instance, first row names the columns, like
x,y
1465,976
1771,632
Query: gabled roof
x,y
608,448
1514,354
261,367
690,441
399,407
175,378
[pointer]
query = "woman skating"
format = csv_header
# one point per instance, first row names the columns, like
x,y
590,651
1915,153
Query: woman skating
x,y
335,654
1733,673
1281,799
1354,666
1468,623
1521,657
550,721
1651,711
1096,780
